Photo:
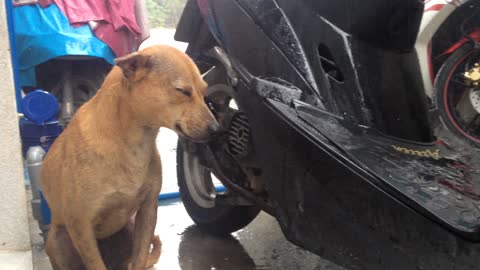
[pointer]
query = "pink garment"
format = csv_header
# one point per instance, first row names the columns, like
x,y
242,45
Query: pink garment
x,y
117,21
45,3
122,42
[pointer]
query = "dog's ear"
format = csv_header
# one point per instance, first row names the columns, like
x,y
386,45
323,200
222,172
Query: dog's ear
x,y
133,65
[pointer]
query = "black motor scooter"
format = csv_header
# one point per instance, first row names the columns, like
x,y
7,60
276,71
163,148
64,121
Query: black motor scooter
x,y
328,128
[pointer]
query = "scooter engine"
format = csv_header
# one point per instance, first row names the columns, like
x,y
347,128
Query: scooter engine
x,y
239,136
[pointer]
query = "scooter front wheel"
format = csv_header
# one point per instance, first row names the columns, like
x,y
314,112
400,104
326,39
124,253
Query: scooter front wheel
x,y
196,180
196,184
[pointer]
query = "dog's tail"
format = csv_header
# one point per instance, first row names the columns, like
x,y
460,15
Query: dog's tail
x,y
155,252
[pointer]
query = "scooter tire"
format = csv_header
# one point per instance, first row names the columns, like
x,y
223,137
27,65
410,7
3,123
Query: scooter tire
x,y
219,220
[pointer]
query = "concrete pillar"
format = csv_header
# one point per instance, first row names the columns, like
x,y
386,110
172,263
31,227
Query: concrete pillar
x,y
15,246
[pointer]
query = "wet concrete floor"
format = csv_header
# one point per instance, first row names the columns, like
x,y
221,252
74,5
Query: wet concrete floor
x,y
260,246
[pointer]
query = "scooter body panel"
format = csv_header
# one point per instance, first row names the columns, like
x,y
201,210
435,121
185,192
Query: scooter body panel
x,y
340,128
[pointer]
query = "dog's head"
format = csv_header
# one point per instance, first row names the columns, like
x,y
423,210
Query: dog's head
x,y
165,89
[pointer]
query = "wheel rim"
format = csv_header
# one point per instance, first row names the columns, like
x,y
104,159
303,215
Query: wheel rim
x,y
200,180
458,101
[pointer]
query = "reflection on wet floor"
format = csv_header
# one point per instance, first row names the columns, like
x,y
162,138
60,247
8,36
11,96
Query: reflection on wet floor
x,y
259,246
201,252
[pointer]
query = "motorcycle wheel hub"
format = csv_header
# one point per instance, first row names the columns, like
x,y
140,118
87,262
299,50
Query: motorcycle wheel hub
x,y
472,76
475,99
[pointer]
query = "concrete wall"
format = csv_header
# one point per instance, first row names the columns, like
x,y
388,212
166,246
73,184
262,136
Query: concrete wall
x,y
15,247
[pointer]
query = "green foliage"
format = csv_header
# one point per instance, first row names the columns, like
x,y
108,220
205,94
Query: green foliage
x,y
164,13
156,14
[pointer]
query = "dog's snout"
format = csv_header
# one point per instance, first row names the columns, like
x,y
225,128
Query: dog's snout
x,y
214,127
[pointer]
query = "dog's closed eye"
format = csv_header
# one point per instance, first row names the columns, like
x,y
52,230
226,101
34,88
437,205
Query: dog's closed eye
x,y
185,92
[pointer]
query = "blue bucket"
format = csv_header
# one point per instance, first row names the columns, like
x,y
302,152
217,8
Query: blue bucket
x,y
38,135
40,127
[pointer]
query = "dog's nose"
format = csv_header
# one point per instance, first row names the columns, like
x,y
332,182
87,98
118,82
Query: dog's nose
x,y
214,128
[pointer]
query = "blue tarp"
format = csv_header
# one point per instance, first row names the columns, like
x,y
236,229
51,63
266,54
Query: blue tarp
x,y
42,34
13,52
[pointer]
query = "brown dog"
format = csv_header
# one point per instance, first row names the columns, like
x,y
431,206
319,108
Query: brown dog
x,y
105,169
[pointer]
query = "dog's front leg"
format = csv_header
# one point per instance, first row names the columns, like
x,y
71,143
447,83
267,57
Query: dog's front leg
x,y
83,237
145,222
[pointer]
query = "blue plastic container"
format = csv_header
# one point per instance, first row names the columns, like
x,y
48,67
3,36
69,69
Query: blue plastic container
x,y
40,127
42,135
40,107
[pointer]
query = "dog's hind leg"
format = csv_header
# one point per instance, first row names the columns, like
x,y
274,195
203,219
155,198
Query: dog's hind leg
x,y
117,249
83,237
61,251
